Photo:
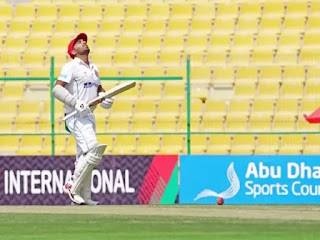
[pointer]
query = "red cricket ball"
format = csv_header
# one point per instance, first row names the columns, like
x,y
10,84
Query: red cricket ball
x,y
220,201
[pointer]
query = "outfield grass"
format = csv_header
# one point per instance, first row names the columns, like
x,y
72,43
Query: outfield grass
x,y
18,226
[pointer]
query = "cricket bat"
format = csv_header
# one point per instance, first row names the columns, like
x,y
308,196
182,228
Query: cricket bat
x,y
108,94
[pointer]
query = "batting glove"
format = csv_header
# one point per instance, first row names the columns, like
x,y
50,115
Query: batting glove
x,y
82,108
106,103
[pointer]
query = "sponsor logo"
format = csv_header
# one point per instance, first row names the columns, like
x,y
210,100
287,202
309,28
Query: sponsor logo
x,y
90,84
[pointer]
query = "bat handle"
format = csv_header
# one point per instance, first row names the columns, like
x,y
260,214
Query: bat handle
x,y
69,115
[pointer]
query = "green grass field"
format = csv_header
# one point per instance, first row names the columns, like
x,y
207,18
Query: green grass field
x,y
160,222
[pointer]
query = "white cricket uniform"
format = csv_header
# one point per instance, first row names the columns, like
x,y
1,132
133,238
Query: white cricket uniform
x,y
83,82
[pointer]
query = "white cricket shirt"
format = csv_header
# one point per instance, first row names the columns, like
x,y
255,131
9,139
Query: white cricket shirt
x,y
82,80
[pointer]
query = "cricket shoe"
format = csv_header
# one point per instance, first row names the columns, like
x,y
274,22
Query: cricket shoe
x,y
77,199
91,202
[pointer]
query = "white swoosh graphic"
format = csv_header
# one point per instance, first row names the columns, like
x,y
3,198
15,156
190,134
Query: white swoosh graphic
x,y
230,192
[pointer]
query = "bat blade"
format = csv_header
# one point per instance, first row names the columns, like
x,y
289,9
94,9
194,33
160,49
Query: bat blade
x,y
108,94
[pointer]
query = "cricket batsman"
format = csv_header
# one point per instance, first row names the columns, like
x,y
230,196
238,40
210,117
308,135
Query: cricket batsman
x,y
77,84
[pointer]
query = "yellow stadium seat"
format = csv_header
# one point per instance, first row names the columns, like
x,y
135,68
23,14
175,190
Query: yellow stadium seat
x,y
59,42
271,73
262,106
250,9
243,41
8,109
247,74
15,43
312,89
219,144
178,26
144,107
155,26
267,90
244,89
266,40
312,144
122,108
174,90
148,144
170,57
142,123
132,26
147,58
124,144
270,24
29,108
110,27
237,122
308,105
173,41
289,40
227,10
243,144
117,124
151,90
201,25
314,8
283,122
219,41
291,144
88,27
133,71
215,107
101,58
60,58
6,124
9,144
136,11
64,27
25,12
30,145
287,56
168,107
91,12
12,90
263,56
178,71
10,59
105,43
159,11
3,29
223,75
239,106
127,42
311,40
199,144
153,71
204,10
197,42
24,124
313,24
247,25
239,57
303,125
106,139
297,8
181,10
260,122
295,73
150,42
223,25
37,43
109,72
69,11
47,12
5,12
292,89
287,107
194,123
166,123
294,24
124,58
216,57
16,72
43,124
213,122
267,144
114,11
172,144
33,59
42,28
273,9
309,56
201,74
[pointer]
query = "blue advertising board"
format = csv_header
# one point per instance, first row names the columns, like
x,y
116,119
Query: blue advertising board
x,y
250,179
